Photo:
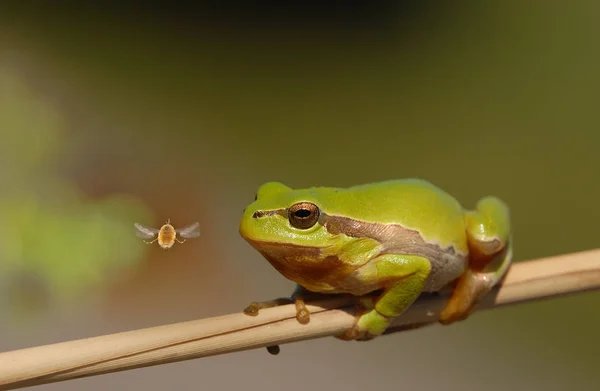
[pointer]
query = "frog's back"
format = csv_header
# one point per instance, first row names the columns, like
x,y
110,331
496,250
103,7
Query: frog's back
x,y
412,203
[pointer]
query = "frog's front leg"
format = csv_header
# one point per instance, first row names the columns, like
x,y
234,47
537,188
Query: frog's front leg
x,y
404,277
298,297
490,255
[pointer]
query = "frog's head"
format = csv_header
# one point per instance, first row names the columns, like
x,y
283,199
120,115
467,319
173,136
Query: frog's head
x,y
284,217
288,226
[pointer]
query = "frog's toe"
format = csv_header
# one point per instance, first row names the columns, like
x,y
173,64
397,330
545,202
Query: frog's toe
x,y
356,333
368,326
451,314
252,309
452,318
303,315
353,334
256,306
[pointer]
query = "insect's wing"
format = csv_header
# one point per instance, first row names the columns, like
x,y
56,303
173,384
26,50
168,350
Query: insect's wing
x,y
191,231
145,232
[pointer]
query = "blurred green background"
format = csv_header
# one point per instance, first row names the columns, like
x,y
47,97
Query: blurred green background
x,y
111,115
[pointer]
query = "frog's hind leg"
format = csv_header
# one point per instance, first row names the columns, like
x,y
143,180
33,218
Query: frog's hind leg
x,y
490,255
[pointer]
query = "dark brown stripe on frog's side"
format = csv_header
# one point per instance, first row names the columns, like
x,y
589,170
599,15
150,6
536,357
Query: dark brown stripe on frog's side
x,y
394,236
446,263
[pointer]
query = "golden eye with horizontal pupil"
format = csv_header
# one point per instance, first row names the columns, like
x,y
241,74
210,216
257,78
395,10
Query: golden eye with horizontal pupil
x,y
303,215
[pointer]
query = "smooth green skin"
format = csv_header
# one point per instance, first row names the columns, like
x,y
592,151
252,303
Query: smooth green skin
x,y
365,265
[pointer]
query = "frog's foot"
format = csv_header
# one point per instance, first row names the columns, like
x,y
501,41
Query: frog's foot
x,y
368,326
490,255
299,297
302,313
470,288
372,324
367,321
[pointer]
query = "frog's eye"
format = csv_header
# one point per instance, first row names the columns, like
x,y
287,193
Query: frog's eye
x,y
303,215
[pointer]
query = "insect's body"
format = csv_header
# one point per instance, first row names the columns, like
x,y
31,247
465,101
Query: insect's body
x,y
166,236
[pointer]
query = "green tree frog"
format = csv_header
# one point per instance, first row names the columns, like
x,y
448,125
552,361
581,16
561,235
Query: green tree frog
x,y
395,239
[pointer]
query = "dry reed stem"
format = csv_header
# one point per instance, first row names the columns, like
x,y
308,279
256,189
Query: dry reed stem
x,y
525,281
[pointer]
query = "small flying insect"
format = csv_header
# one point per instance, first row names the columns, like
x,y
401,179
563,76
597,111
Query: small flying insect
x,y
167,234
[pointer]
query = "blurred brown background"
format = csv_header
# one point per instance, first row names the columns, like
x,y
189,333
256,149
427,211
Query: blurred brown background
x,y
111,115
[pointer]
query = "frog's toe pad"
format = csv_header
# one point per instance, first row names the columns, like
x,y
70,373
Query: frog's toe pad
x,y
303,315
354,334
252,309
